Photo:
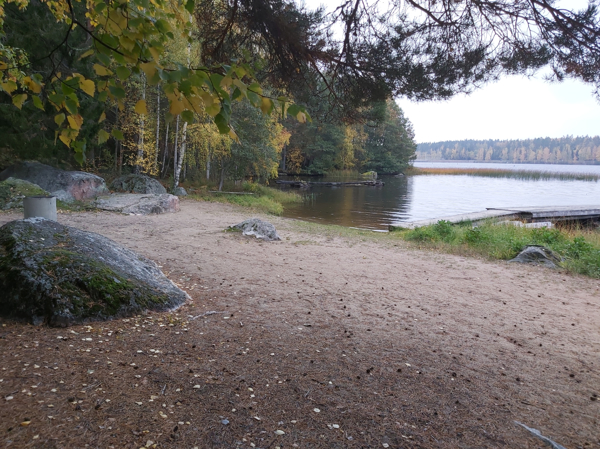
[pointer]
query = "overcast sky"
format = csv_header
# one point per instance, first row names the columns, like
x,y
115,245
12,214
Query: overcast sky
x,y
512,108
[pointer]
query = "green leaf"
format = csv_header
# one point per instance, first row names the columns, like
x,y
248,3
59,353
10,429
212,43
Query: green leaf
x,y
123,72
254,99
100,7
293,110
102,96
37,102
103,136
188,116
59,119
71,106
57,99
162,25
222,124
190,6
169,117
117,91
117,134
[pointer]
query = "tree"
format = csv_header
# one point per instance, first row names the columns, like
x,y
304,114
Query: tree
x,y
126,39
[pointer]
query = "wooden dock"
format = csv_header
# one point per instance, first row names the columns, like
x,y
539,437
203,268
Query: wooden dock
x,y
525,214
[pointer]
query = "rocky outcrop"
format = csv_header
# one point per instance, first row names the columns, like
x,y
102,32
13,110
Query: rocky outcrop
x,y
258,228
61,275
538,255
13,191
131,203
65,185
137,184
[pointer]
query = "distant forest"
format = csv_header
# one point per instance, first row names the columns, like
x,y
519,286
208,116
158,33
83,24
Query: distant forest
x,y
566,150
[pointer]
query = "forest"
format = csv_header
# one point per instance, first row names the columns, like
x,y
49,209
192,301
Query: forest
x,y
544,150
242,89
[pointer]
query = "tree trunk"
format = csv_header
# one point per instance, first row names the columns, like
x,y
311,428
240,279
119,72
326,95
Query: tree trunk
x,y
175,149
181,156
222,176
208,164
283,158
157,129
165,152
140,151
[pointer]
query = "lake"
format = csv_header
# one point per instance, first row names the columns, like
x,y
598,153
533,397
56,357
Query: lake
x,y
420,197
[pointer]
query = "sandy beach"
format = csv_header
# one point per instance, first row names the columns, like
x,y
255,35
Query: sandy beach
x,y
328,338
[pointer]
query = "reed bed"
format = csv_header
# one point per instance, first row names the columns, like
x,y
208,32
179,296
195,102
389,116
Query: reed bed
x,y
527,175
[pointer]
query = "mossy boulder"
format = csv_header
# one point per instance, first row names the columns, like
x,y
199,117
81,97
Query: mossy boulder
x,y
137,184
61,275
13,191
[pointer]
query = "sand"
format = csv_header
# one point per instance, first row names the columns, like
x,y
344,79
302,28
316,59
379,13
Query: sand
x,y
394,346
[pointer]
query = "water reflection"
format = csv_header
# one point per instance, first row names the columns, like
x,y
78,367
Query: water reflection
x,y
421,197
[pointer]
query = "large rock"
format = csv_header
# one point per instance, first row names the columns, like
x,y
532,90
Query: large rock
x,y
137,184
64,185
258,228
132,203
62,275
538,255
13,191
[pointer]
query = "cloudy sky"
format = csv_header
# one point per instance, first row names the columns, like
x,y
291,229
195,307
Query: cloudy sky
x,y
513,108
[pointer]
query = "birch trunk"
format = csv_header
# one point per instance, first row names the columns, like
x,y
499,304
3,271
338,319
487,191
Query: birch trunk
x,y
181,156
222,176
157,129
175,149
165,153
140,151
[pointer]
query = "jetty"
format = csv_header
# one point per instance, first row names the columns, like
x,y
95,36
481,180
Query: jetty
x,y
307,184
536,214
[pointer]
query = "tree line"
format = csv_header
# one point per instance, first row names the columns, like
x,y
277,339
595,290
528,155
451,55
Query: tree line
x,y
565,150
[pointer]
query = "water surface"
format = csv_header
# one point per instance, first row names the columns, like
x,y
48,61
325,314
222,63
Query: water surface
x,y
420,197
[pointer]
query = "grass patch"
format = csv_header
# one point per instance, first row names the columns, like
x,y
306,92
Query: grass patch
x,y
255,196
579,248
526,175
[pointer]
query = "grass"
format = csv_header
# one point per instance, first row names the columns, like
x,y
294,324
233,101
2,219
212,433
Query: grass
x,y
580,248
526,175
263,199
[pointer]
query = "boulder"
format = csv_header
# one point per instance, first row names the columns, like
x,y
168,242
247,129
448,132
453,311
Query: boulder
x,y
538,255
137,204
180,191
258,228
137,184
61,275
13,191
65,185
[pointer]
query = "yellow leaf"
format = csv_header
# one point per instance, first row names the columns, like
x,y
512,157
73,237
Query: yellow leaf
x,y
226,81
102,117
86,54
155,54
65,139
266,105
75,121
301,117
101,70
127,43
18,100
233,135
197,103
88,87
9,86
32,85
176,107
140,108
149,69
3,65
59,119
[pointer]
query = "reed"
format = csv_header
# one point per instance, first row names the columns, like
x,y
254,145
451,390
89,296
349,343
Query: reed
x,y
527,175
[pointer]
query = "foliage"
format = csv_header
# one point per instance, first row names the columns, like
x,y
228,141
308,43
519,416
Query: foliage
x,y
384,143
127,40
579,248
542,150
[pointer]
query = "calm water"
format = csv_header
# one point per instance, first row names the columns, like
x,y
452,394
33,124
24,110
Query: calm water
x,y
420,197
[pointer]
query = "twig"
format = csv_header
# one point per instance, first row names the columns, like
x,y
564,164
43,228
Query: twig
x,y
538,434
205,314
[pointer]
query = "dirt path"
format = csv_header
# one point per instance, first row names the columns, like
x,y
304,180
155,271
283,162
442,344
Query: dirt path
x,y
394,348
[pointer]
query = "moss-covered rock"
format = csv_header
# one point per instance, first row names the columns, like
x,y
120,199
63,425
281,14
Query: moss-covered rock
x,y
61,275
12,192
